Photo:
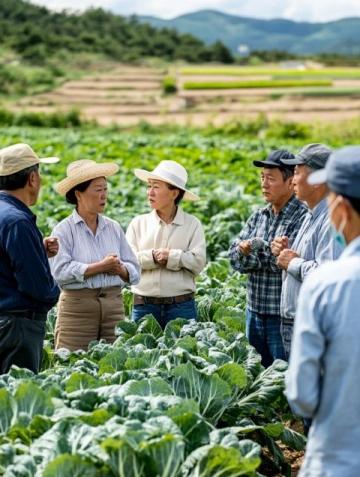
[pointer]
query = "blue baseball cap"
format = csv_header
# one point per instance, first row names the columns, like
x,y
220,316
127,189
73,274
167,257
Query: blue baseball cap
x,y
341,173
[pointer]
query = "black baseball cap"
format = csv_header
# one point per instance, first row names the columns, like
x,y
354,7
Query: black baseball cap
x,y
275,158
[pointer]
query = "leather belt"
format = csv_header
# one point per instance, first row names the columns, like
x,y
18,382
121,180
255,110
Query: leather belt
x,y
166,300
29,314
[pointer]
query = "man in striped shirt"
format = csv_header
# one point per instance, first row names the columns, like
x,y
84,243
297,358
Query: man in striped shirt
x,y
313,245
251,254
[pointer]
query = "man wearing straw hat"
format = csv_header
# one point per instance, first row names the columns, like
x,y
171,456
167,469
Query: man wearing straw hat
x,y
170,246
27,289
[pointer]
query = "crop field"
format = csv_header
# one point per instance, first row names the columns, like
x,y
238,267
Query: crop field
x,y
189,401
272,83
332,73
125,95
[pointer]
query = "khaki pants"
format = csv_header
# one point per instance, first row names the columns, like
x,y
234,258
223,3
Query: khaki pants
x,y
86,315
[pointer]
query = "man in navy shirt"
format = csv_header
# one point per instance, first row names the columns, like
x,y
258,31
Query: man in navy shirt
x,y
27,289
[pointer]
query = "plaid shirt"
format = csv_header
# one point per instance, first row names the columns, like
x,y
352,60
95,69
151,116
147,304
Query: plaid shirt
x,y
264,282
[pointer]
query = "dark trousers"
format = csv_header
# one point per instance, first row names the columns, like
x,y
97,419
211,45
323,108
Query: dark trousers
x,y
21,343
287,329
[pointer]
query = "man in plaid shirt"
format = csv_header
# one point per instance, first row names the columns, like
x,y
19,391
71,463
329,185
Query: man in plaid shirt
x,y
251,253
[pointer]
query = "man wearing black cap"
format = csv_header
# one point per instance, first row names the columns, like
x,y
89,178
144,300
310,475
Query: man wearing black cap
x,y
313,244
324,371
251,253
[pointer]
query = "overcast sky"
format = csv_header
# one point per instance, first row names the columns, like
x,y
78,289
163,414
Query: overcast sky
x,y
308,10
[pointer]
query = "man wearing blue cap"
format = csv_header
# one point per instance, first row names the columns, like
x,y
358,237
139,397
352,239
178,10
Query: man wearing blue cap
x,y
251,254
324,372
313,244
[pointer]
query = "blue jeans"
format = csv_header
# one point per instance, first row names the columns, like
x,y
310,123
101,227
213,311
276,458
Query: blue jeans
x,y
263,332
166,313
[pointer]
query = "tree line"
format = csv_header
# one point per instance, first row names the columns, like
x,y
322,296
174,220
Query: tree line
x,y
36,33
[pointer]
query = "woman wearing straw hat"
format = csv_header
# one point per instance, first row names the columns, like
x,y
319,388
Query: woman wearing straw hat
x,y
169,245
94,261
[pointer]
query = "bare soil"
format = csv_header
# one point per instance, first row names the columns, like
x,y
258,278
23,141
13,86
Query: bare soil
x,y
130,94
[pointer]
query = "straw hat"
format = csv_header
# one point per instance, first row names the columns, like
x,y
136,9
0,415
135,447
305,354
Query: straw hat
x,y
82,171
18,157
170,172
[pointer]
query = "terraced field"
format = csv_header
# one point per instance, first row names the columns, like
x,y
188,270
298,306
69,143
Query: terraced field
x,y
128,95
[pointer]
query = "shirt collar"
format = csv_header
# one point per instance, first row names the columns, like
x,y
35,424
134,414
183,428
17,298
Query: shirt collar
x,y
319,208
292,202
17,203
179,218
77,219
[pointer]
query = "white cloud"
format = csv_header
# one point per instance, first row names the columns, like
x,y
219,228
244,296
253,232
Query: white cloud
x,y
302,10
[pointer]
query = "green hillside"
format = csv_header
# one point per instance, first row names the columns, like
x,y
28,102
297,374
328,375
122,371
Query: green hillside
x,y
36,34
342,36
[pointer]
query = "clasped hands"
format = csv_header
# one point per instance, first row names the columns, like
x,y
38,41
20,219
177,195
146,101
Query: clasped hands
x,y
113,266
160,256
279,248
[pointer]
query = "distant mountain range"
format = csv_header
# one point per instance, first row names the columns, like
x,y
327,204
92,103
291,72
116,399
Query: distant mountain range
x,y
341,36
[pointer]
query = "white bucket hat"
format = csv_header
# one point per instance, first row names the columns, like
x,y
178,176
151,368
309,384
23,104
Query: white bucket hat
x,y
20,156
82,171
171,172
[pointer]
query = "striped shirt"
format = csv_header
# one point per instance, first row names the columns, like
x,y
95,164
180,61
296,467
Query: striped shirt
x,y
79,247
315,245
264,281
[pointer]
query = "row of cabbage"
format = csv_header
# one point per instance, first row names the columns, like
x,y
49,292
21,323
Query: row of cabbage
x,y
192,400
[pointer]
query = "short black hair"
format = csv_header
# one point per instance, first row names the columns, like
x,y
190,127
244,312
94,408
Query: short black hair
x,y
180,195
71,197
17,180
354,202
286,172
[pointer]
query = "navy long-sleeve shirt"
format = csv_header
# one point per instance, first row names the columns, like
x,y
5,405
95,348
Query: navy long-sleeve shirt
x,y
26,282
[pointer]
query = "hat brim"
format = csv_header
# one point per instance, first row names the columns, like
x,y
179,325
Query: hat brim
x,y
265,164
270,164
144,176
318,177
87,174
297,161
49,160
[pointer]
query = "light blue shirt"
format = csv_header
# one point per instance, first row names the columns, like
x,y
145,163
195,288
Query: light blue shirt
x,y
315,245
323,380
79,247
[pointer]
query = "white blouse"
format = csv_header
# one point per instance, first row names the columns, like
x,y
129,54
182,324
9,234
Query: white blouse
x,y
185,239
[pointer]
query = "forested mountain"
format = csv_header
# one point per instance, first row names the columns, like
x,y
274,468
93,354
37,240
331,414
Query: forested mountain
x,y
342,36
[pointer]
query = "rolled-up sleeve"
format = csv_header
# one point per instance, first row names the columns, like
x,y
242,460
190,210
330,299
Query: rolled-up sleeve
x,y
64,268
129,259
193,258
303,379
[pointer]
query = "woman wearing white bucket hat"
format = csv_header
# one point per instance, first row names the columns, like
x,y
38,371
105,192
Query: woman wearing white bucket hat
x,y
94,260
169,245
